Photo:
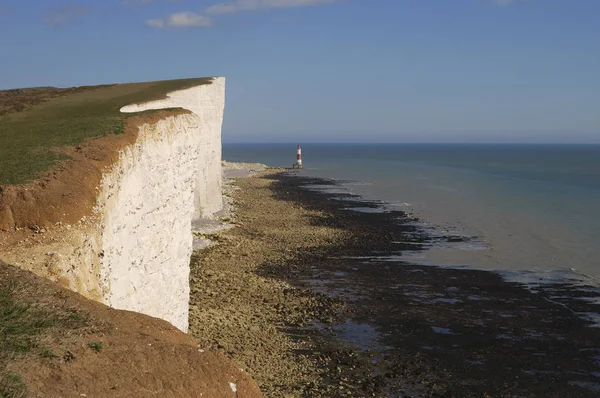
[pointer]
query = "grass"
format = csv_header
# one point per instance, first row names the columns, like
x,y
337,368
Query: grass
x,y
21,99
46,352
12,386
21,323
28,137
95,345
22,326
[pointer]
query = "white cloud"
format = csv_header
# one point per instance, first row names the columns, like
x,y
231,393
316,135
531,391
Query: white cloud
x,y
157,23
127,3
63,15
181,20
187,19
248,5
504,3
135,2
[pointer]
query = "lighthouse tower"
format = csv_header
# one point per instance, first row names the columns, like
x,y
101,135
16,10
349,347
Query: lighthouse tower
x,y
298,164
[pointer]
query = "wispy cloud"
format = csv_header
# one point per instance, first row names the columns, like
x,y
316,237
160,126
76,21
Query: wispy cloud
x,y
155,23
181,20
127,3
63,15
504,3
249,5
3,11
187,19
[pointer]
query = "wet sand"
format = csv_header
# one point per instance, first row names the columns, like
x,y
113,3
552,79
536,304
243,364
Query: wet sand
x,y
302,294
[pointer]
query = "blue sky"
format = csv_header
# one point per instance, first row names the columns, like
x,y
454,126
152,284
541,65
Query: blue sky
x,y
334,70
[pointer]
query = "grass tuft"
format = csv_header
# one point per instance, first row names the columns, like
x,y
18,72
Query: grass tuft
x,y
95,345
12,386
46,352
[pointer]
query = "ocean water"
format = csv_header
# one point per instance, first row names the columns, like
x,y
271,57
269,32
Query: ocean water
x,y
532,210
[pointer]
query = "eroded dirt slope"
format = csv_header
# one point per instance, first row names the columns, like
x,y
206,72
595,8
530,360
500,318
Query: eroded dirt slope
x,y
55,343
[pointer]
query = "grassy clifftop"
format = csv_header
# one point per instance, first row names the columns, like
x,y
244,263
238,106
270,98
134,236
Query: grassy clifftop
x,y
35,122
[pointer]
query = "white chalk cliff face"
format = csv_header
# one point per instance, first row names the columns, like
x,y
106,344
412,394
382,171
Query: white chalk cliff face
x,y
134,251
171,175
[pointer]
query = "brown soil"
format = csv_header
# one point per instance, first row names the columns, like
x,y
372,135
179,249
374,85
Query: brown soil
x,y
135,355
68,192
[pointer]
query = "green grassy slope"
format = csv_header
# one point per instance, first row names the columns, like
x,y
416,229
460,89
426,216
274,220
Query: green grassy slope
x,y
26,138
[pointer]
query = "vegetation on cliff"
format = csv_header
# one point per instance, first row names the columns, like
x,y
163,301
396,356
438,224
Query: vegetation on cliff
x,y
35,123
56,343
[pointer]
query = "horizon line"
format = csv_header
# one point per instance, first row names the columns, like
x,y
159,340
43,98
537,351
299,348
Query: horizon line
x,y
406,143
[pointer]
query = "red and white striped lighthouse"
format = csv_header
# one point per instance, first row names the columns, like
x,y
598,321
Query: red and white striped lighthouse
x,y
299,157
298,164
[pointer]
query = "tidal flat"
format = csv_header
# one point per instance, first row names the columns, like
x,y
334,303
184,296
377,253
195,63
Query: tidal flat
x,y
314,300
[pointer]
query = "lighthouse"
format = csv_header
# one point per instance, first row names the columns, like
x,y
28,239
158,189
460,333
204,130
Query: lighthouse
x,y
298,164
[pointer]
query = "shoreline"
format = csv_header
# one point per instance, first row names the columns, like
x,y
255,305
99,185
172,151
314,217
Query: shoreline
x,y
452,246
518,200
506,233
295,295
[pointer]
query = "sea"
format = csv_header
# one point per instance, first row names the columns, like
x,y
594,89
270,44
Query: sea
x,y
530,212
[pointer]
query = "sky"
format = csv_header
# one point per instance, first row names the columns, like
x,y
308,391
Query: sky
x,y
334,70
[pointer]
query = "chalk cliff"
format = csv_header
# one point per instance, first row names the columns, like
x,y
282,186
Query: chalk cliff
x,y
148,200
133,249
